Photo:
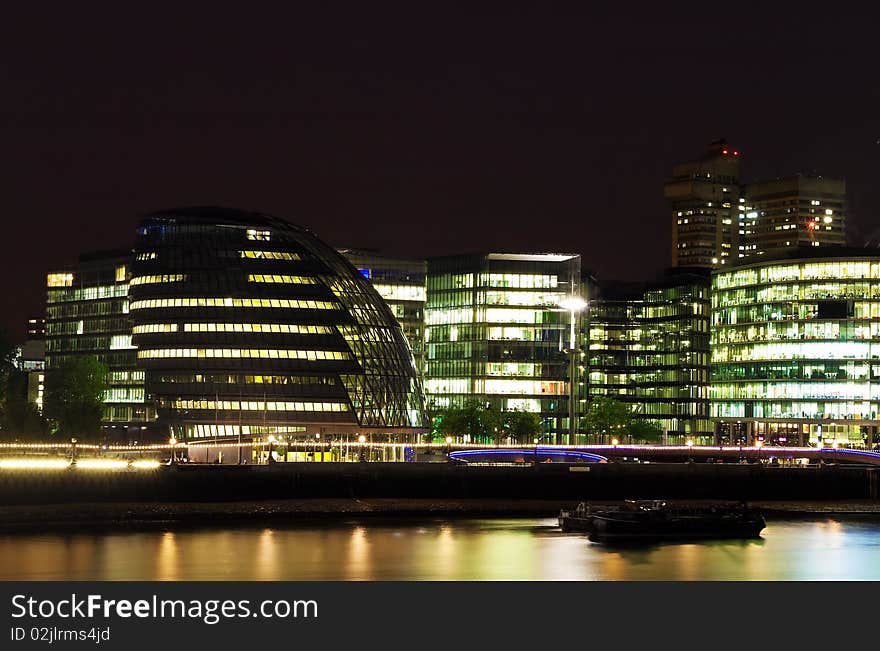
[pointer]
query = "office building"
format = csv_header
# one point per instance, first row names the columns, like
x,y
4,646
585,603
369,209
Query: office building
x,y
796,348
647,345
87,314
402,283
792,212
496,333
705,202
249,326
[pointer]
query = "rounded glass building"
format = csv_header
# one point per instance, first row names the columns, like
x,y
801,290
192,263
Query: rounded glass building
x,y
247,325
796,349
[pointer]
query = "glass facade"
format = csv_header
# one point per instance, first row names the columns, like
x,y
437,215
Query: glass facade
x,y
495,333
87,314
796,348
248,324
648,346
402,284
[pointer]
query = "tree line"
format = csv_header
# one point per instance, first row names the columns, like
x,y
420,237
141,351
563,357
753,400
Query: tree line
x,y
72,401
606,419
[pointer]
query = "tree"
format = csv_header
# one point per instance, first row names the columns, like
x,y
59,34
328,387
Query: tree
x,y
521,426
649,431
74,397
473,421
607,417
21,418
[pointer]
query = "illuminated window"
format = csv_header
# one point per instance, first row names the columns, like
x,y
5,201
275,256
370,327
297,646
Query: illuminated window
x,y
233,302
226,353
282,328
120,342
401,292
255,234
269,255
152,328
286,280
120,274
163,278
59,280
260,405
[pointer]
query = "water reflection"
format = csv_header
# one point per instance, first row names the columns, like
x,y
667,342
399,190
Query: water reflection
x,y
440,550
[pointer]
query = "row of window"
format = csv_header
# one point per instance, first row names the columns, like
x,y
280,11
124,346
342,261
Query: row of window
x,y
233,302
202,378
158,278
86,293
261,353
846,390
259,405
280,328
832,270
281,279
269,255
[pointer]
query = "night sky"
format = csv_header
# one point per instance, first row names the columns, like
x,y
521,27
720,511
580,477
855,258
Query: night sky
x,y
419,131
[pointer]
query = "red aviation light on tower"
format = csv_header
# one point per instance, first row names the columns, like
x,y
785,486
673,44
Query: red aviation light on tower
x,y
724,151
736,153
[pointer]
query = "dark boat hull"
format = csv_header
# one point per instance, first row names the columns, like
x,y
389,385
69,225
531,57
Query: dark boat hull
x,y
569,523
604,529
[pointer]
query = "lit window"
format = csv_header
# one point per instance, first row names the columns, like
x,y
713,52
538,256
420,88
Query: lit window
x,y
254,234
269,255
59,280
281,279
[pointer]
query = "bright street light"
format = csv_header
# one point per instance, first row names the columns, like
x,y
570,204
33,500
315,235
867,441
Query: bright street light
x,y
573,304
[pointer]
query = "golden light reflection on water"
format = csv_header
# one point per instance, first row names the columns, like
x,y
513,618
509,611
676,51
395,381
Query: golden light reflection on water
x,y
439,550
168,558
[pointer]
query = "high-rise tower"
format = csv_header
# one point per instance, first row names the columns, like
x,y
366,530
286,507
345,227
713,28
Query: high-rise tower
x,y
704,195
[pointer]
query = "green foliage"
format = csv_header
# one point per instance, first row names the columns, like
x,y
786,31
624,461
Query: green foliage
x,y
481,423
607,417
7,372
649,431
21,419
73,397
521,426
474,421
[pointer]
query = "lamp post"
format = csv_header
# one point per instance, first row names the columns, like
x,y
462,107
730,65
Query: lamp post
x,y
271,445
362,455
573,304
173,443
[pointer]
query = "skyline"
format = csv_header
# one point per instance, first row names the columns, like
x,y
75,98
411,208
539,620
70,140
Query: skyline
x,y
386,145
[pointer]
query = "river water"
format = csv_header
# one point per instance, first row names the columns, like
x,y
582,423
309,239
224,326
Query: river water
x,y
461,549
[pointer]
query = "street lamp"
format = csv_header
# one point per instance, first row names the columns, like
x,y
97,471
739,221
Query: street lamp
x,y
362,454
271,445
172,442
614,442
573,304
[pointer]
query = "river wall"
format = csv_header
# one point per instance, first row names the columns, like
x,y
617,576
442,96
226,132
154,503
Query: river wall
x,y
195,483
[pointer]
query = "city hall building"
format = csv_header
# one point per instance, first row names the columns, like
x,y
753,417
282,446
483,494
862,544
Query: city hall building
x,y
795,346
247,325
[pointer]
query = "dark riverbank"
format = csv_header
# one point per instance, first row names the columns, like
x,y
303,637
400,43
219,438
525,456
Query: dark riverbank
x,y
84,517
439,482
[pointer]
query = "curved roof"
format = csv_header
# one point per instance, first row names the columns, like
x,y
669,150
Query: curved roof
x,y
214,298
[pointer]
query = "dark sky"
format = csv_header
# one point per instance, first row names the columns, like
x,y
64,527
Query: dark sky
x,y
420,131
